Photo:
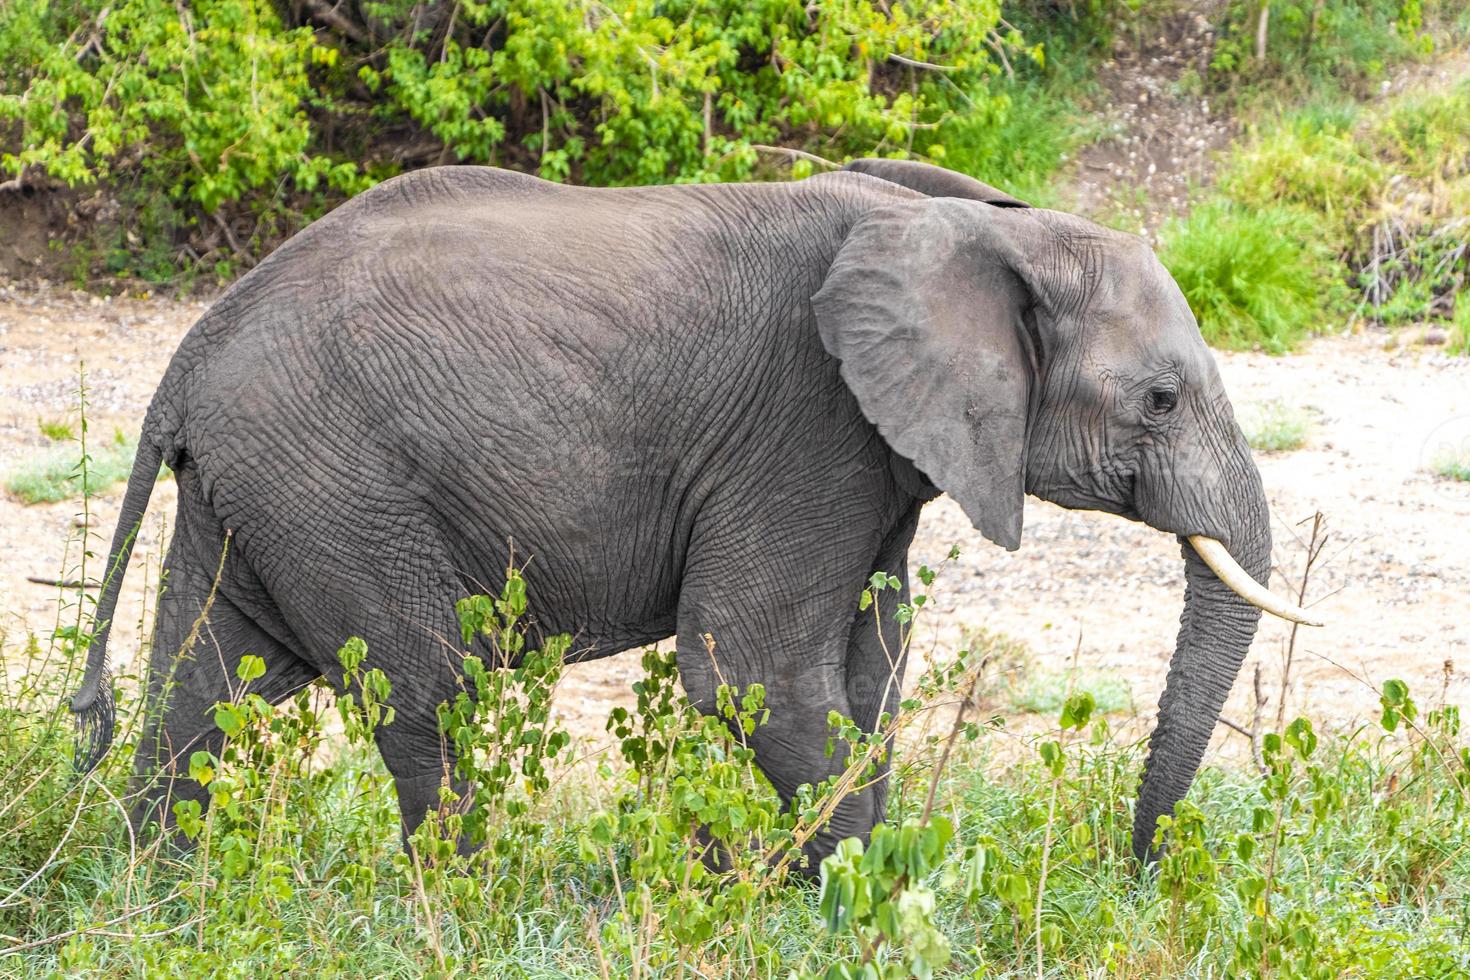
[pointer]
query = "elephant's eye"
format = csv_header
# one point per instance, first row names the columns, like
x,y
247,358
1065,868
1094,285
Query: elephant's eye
x,y
1161,401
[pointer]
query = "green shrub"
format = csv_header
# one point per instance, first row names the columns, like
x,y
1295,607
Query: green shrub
x,y
1008,854
1387,193
1276,426
1018,144
57,430
1459,342
1312,163
271,112
1331,45
1253,277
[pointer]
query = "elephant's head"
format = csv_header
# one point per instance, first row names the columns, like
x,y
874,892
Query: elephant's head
x,y
1007,350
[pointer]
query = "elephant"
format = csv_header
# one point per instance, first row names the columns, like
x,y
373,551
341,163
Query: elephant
x,y
704,411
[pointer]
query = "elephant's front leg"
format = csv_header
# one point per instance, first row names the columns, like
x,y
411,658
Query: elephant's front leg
x,y
791,747
796,645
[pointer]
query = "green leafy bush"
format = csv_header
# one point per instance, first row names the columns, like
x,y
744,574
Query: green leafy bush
x,y
1386,192
664,853
1337,45
1008,852
1254,277
270,112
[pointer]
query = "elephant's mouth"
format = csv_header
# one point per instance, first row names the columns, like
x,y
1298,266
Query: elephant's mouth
x,y
1130,498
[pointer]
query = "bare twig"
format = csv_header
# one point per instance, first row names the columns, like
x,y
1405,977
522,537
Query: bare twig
x,y
1315,544
797,154
62,583
91,930
923,65
954,732
234,243
1235,727
1260,700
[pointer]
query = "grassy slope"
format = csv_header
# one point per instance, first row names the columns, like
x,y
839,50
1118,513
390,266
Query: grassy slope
x,y
1331,215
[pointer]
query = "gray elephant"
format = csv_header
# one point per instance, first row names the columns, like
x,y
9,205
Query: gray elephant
x,y
702,410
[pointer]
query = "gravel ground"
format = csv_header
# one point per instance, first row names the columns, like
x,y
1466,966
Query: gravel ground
x,y
1160,133
1394,586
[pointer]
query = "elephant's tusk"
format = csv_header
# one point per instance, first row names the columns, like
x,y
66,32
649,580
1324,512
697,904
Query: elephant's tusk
x,y
1230,572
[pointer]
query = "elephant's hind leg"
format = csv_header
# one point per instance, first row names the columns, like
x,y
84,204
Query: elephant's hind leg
x,y
197,648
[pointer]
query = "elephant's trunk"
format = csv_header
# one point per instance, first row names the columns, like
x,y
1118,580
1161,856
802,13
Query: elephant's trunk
x,y
1215,632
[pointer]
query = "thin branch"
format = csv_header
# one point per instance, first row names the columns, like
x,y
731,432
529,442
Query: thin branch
x,y
63,583
797,154
88,930
924,65
330,17
1238,729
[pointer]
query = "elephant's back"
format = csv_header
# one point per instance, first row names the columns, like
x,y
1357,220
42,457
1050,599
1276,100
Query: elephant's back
x,y
475,331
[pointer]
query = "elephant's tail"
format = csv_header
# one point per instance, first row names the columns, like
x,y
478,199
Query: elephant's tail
x,y
92,704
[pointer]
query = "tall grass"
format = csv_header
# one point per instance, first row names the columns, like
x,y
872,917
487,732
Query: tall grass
x,y
1007,854
1382,197
1020,144
1255,278
1035,119
1317,48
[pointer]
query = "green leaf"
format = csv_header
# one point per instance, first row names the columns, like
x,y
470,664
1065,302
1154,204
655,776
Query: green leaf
x,y
250,668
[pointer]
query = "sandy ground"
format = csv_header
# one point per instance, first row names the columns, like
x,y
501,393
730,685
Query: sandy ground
x,y
1394,585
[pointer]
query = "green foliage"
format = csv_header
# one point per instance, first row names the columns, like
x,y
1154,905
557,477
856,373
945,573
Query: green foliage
x,y
1385,192
1347,859
1254,278
1332,45
57,430
60,475
1276,426
1044,692
1459,333
1018,142
694,833
198,106
875,893
665,854
1452,462
222,108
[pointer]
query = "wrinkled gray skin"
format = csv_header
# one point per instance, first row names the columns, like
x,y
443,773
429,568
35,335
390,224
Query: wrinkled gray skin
x,y
697,410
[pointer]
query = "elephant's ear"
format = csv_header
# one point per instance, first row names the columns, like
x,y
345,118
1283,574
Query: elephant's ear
x,y
924,309
933,181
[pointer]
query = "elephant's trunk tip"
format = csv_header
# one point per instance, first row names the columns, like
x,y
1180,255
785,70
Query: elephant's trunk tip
x,y
1239,581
